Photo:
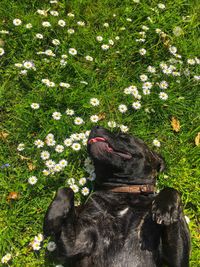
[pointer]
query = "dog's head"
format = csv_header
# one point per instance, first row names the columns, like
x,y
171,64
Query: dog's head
x,y
122,159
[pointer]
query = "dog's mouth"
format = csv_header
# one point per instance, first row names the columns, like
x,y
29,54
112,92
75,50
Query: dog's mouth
x,y
101,145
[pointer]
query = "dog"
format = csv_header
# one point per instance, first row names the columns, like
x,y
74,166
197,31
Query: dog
x,y
124,223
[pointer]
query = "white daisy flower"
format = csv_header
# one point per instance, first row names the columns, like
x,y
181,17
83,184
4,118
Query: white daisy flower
x,y
35,106
39,238
161,6
64,56
57,168
146,91
85,191
111,42
191,61
122,108
59,148
36,245
56,115
81,23
66,85
29,26
71,15
39,143
156,142
147,85
89,58
123,128
82,181
45,155
117,38
78,121
143,77
63,163
142,51
42,12
28,64
46,24
55,42
99,38
39,36
32,180
163,85
50,163
112,124
18,65
50,142
6,258
94,102
151,69
49,53
69,112
136,105
73,51
105,47
17,22
21,147
70,31
61,23
94,118
76,146
163,96
106,25
71,181
75,188
54,13
46,172
51,246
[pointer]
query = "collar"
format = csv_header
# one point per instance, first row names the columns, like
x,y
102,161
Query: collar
x,y
145,188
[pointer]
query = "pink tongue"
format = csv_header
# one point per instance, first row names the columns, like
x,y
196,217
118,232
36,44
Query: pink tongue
x,y
97,139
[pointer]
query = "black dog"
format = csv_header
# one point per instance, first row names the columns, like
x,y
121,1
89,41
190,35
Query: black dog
x,y
124,223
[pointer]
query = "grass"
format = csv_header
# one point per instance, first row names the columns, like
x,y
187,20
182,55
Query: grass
x,y
23,205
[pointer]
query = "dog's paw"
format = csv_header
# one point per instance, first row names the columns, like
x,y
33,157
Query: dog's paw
x,y
166,207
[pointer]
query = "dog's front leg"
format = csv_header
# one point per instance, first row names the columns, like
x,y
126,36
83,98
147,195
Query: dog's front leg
x,y
167,211
61,223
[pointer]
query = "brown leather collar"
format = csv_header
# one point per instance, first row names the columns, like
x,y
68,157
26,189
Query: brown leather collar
x,y
145,188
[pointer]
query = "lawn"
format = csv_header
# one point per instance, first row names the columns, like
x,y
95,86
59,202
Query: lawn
x,y
65,66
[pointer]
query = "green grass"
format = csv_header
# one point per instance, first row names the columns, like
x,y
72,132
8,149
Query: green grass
x,y
107,76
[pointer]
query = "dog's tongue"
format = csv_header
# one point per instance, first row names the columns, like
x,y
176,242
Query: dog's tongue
x,y
96,139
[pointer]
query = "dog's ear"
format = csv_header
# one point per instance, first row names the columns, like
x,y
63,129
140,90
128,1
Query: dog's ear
x,y
57,212
159,162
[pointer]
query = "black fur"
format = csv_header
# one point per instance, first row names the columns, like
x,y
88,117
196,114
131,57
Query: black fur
x,y
120,229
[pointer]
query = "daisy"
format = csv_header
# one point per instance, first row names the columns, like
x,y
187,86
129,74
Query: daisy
x,y
39,143
89,58
71,181
50,142
63,62
161,6
45,155
46,24
35,106
42,12
82,181
39,238
94,118
21,147
6,258
39,36
49,52
111,42
66,85
112,124
78,121
99,38
156,142
136,105
29,26
32,180
163,85
56,115
61,23
123,128
85,191
147,85
54,13
55,42
59,148
70,31
143,78
51,246
81,23
163,96
75,188
146,91
105,47
76,146
73,51
106,25
94,102
57,168
63,163
17,22
142,51
46,172
151,69
172,50
70,112
122,108
64,56
50,136
35,245
191,61
50,163
71,15
28,64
